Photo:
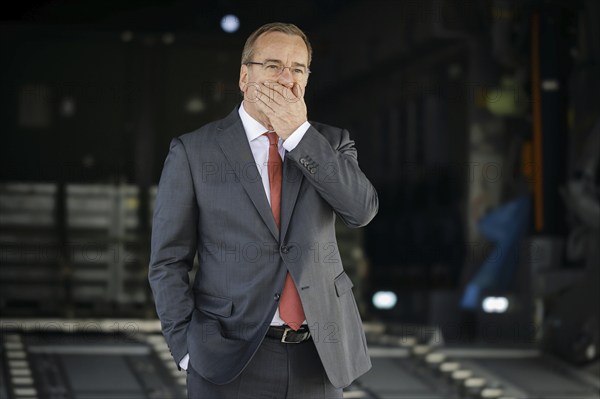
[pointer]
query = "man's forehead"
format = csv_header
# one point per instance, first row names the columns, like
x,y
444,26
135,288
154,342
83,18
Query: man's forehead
x,y
273,43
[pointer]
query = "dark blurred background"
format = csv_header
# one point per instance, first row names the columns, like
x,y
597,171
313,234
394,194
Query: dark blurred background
x,y
478,122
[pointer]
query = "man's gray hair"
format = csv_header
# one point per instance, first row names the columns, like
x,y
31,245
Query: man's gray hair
x,y
289,29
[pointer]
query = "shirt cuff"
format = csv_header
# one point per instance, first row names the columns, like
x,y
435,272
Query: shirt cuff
x,y
292,141
185,361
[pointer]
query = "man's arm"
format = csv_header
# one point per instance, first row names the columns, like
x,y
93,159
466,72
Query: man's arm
x,y
174,240
335,174
332,169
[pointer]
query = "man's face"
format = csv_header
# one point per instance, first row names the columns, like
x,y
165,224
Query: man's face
x,y
286,50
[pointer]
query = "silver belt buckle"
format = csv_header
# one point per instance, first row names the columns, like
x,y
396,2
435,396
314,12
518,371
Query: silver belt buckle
x,y
284,336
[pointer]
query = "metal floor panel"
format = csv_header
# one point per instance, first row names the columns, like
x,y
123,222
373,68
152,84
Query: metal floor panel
x,y
393,378
519,373
88,366
105,374
67,363
539,378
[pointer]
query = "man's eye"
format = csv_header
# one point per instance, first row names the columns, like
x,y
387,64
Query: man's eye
x,y
271,67
299,71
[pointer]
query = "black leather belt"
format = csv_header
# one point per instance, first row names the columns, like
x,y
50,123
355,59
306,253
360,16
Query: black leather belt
x,y
288,336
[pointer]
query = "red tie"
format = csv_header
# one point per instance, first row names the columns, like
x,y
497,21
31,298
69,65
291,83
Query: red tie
x,y
290,306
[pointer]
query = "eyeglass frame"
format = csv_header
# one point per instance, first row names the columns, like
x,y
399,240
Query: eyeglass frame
x,y
308,71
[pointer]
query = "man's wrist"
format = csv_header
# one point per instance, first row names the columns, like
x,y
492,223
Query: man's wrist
x,y
293,139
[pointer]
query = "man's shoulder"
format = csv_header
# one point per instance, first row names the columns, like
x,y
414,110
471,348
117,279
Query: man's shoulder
x,y
209,130
201,132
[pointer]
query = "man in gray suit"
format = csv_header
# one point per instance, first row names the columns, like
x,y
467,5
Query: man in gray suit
x,y
255,196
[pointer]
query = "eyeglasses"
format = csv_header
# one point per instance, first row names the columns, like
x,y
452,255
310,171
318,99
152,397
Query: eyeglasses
x,y
274,69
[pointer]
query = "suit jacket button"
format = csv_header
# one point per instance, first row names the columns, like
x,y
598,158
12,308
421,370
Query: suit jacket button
x,y
303,161
276,296
312,170
285,249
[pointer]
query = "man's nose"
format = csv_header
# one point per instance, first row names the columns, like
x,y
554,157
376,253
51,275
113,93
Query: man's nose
x,y
286,77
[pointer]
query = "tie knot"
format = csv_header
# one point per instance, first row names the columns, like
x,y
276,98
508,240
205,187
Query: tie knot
x,y
272,136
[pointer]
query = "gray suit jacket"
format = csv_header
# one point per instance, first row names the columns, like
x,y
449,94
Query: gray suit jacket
x,y
211,202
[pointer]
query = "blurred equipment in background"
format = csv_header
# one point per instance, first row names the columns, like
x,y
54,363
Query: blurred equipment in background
x,y
505,227
570,293
72,252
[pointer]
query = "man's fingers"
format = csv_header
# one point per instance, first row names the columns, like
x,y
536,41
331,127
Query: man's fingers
x,y
266,107
283,93
275,97
275,91
261,93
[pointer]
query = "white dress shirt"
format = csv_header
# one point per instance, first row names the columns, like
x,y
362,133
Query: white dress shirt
x,y
259,145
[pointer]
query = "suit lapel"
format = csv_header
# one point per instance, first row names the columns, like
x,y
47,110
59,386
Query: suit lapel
x,y
234,144
292,179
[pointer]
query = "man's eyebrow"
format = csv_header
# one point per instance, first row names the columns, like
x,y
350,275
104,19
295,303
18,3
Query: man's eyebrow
x,y
281,62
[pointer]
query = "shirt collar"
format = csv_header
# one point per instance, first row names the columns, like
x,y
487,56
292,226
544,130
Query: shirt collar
x,y
252,127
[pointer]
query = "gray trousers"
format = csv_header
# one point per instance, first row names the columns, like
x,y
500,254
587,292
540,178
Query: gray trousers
x,y
277,371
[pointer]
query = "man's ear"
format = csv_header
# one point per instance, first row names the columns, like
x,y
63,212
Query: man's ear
x,y
243,78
